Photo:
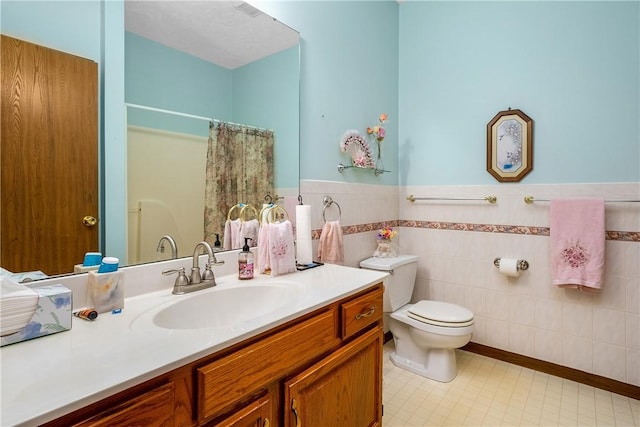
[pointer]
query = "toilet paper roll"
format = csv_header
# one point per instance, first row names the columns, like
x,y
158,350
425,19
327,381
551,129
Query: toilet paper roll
x,y
303,234
509,267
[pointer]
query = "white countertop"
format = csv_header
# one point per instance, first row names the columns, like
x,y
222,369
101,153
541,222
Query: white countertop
x,y
47,377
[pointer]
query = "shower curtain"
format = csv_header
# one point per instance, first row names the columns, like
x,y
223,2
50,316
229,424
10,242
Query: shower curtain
x,y
239,170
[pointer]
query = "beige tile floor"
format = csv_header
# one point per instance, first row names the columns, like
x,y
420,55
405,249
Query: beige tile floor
x,y
490,392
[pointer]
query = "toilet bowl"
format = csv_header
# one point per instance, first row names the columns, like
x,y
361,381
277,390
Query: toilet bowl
x,y
427,346
426,333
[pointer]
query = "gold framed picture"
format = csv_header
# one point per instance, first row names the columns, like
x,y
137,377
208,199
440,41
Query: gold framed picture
x,y
510,145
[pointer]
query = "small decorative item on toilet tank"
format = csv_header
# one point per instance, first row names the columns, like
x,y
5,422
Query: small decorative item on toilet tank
x,y
386,247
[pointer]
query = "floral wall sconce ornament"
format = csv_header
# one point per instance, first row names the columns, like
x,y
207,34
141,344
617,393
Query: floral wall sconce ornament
x,y
355,143
510,145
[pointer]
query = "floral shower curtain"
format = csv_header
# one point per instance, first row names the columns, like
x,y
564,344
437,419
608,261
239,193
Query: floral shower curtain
x,y
239,170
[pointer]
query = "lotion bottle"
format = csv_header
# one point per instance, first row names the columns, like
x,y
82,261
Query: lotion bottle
x,y
245,262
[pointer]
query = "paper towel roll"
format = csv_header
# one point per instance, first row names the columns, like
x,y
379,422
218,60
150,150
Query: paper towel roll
x,y
509,267
304,250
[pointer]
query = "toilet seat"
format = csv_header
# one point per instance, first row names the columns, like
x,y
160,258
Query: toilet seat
x,y
402,315
439,313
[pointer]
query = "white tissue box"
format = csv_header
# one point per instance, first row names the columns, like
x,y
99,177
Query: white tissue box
x,y
106,291
52,315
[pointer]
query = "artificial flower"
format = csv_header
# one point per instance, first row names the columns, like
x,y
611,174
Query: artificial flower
x,y
387,233
378,131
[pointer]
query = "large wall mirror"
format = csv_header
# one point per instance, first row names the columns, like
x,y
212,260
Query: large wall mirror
x,y
185,63
221,61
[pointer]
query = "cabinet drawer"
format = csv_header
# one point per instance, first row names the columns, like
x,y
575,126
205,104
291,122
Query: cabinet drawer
x,y
258,413
229,379
154,408
361,312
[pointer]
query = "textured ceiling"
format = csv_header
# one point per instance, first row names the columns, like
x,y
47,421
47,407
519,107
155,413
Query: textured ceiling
x,y
228,33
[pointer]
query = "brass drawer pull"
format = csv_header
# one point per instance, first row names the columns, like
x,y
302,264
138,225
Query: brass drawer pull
x,y
367,313
266,423
294,408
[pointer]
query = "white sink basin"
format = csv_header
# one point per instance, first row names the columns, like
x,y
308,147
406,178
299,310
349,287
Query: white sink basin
x,y
224,307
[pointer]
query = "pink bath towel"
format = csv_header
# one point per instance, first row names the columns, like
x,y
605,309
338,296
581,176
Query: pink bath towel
x,y
331,245
577,243
282,254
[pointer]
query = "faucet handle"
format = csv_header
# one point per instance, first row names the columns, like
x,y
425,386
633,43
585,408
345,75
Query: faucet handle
x,y
182,278
208,273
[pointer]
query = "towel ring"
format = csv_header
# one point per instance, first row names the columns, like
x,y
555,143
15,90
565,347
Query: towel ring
x,y
268,199
328,201
261,215
251,208
274,211
239,205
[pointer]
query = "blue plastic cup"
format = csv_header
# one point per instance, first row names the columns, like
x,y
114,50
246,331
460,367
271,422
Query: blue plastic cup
x,y
92,258
109,264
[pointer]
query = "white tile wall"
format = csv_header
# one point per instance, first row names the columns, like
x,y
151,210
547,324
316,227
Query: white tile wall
x,y
598,333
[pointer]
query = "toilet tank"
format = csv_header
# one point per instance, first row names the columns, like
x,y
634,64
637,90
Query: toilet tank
x,y
398,288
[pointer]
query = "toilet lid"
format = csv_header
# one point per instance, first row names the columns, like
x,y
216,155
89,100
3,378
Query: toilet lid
x,y
441,314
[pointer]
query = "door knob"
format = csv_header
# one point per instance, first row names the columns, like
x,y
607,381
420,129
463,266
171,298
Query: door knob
x,y
89,221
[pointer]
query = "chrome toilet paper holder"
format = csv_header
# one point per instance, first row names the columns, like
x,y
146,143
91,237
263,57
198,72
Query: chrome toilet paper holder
x,y
522,264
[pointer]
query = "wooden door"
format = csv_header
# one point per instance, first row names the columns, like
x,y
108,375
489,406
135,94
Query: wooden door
x,y
49,155
344,389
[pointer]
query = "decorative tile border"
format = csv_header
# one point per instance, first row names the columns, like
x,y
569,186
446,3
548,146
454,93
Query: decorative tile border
x,y
622,236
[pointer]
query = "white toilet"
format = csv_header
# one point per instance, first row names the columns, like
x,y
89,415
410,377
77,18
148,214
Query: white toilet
x,y
426,333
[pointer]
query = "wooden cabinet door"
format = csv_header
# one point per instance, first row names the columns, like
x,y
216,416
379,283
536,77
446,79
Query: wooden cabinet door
x,y
344,389
49,153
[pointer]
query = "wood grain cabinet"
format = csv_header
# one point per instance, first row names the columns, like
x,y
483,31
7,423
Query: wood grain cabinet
x,y
154,408
343,389
261,412
323,369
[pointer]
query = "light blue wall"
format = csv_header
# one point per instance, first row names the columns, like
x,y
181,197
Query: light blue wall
x,y
573,67
266,93
113,134
165,78
349,75
70,26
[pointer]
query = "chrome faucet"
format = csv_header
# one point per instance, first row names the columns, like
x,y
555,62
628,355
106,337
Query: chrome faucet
x,y
195,268
197,281
172,243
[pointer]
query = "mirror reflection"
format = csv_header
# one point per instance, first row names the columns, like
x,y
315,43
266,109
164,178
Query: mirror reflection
x,y
175,94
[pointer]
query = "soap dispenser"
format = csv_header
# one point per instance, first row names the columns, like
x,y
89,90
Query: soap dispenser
x,y
245,261
217,245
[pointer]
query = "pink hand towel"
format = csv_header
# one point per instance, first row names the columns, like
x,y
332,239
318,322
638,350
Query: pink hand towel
x,y
264,262
249,229
331,245
281,250
577,243
231,230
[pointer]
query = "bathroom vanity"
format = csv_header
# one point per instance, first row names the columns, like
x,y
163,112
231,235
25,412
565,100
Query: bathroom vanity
x,y
315,361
